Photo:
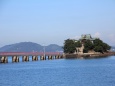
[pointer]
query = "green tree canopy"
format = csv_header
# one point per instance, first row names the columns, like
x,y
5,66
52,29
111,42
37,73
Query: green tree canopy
x,y
100,46
69,46
78,44
97,45
88,45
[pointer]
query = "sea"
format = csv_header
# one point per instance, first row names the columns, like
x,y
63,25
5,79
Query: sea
x,y
59,72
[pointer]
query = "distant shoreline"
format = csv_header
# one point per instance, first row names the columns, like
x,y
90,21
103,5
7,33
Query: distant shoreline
x,y
87,55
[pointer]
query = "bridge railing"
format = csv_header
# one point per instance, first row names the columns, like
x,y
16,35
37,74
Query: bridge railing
x,y
28,53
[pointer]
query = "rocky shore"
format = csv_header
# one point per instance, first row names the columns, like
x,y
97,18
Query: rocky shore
x,y
88,55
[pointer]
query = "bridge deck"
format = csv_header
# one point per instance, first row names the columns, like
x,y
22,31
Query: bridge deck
x,y
28,53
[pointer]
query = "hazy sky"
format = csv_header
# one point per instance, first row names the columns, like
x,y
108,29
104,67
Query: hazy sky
x,y
53,21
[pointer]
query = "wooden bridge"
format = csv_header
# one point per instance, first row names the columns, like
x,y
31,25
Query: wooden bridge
x,y
26,55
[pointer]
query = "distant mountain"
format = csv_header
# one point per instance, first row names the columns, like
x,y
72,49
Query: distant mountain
x,y
53,47
30,47
112,48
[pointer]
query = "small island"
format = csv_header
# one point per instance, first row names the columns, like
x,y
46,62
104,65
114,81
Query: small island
x,y
86,46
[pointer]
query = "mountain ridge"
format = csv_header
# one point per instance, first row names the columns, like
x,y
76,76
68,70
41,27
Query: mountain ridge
x,y
30,47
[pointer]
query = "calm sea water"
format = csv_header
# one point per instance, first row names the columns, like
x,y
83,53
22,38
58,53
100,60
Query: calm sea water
x,y
62,72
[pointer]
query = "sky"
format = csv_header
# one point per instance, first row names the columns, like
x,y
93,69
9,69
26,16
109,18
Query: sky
x,y
53,21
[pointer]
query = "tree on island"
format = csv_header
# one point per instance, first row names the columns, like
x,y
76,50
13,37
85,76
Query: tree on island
x,y
97,45
70,46
100,46
88,45
77,44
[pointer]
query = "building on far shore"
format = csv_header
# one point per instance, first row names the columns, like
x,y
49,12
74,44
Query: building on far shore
x,y
84,37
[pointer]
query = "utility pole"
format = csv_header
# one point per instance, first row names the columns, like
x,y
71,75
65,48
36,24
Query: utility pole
x,y
44,50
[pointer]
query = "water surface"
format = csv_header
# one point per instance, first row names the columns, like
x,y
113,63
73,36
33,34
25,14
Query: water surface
x,y
62,72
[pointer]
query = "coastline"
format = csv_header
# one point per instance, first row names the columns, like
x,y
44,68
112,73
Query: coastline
x,y
89,55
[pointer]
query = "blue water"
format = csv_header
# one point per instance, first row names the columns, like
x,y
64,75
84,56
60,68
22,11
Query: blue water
x,y
62,72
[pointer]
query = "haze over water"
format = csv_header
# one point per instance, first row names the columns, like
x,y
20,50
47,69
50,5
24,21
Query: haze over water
x,y
61,72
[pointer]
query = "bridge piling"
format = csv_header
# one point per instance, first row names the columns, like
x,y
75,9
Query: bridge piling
x,y
42,58
15,59
60,56
25,58
34,58
56,57
4,59
50,57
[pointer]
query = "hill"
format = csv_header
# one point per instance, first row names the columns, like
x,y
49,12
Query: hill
x,y
30,47
113,48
